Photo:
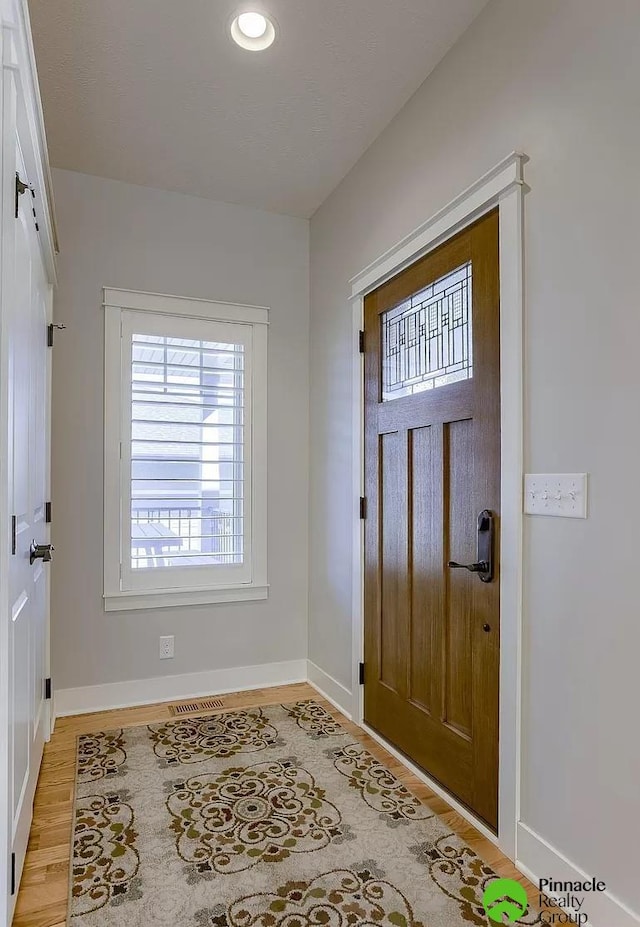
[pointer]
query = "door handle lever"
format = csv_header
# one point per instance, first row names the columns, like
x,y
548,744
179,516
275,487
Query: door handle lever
x,y
40,552
481,567
484,562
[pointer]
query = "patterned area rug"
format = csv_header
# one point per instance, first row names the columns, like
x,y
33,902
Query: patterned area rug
x,y
266,817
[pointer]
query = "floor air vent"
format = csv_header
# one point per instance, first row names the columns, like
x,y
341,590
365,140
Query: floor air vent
x,y
205,704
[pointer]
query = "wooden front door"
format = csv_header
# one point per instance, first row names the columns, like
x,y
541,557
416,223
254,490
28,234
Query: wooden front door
x,y
432,466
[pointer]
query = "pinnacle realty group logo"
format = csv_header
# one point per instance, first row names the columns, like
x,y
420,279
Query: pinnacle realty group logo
x,y
505,901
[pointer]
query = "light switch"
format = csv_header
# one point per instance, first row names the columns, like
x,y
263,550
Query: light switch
x,y
563,495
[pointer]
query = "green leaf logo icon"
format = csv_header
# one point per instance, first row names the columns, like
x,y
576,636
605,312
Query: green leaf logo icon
x,y
505,900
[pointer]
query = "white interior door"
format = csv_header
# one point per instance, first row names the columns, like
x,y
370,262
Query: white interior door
x,y
28,472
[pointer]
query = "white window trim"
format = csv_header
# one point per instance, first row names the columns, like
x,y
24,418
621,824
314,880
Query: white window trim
x,y
115,303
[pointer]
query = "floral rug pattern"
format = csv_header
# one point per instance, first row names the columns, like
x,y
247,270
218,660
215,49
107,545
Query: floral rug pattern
x,y
100,755
105,859
269,817
192,740
379,788
340,896
312,718
263,813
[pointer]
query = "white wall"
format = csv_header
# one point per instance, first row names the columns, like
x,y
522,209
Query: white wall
x,y
114,234
557,79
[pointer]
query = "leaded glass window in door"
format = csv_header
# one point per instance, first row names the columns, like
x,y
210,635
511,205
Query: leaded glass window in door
x,y
427,339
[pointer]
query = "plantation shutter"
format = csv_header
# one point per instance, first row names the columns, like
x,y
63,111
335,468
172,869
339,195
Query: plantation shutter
x,y
186,462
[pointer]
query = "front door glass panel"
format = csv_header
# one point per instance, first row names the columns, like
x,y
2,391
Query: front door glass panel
x,y
427,338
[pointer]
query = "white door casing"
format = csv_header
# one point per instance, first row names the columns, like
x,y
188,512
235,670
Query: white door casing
x,y
502,187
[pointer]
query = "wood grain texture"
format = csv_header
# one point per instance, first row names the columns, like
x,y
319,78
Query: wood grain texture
x,y
432,463
42,900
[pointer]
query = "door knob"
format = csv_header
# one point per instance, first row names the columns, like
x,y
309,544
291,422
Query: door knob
x,y
484,562
40,552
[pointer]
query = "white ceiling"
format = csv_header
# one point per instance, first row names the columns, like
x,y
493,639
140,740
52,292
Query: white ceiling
x,y
154,92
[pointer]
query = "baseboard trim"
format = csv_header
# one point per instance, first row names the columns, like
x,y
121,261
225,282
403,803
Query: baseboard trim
x,y
112,695
537,859
339,696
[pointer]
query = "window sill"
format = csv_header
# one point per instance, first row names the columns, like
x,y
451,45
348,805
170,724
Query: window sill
x,y
130,601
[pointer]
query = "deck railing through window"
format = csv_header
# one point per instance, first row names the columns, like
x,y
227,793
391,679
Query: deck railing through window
x,y
180,530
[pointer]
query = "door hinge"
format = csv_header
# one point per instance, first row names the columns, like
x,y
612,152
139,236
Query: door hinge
x,y
14,532
33,209
361,673
50,330
47,688
363,507
13,873
47,512
361,342
21,188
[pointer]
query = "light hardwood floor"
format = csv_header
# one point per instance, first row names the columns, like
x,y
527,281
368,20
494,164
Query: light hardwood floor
x,y
42,900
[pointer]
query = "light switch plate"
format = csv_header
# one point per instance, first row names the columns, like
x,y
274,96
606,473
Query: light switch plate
x,y
562,495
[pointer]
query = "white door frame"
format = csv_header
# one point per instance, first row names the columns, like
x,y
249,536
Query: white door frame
x,y
504,187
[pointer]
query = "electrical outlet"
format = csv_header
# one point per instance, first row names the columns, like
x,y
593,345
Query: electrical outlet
x,y
166,647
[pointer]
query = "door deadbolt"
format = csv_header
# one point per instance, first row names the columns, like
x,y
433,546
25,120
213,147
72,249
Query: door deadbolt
x,y
484,562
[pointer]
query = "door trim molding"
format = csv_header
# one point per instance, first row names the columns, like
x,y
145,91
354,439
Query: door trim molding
x,y
483,195
503,186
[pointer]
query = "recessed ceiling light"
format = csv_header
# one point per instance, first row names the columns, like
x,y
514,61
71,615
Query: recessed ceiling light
x,y
253,31
252,25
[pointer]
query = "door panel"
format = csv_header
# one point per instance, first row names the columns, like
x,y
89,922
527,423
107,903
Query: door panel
x,y
460,529
425,591
392,550
21,699
28,402
432,463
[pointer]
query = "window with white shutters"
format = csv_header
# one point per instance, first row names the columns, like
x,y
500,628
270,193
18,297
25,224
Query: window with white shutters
x,y
188,474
